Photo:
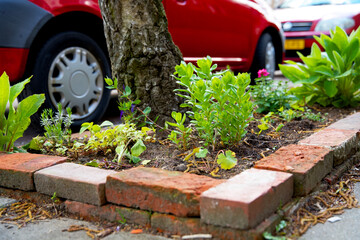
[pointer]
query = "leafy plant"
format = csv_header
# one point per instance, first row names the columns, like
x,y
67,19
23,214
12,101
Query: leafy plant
x,y
180,136
278,230
57,128
123,139
270,95
17,121
329,77
128,107
227,160
218,101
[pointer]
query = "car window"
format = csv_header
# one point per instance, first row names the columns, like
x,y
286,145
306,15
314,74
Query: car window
x,y
306,3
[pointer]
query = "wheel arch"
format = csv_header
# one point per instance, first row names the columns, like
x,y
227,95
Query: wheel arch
x,y
82,22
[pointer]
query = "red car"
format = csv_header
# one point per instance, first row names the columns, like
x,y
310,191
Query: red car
x,y
62,44
302,19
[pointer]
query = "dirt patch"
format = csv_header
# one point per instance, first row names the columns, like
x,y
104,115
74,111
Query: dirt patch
x,y
165,155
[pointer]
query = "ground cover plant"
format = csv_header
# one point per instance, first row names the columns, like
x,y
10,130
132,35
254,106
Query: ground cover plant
x,y
184,144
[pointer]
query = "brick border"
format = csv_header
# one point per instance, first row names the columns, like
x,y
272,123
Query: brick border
x,y
305,164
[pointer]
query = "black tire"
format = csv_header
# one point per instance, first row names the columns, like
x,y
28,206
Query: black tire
x,y
70,68
265,56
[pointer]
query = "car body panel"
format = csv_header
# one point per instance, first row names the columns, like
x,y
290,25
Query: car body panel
x,y
216,28
199,27
21,21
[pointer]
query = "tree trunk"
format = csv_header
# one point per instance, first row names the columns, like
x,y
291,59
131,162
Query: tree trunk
x,y
142,53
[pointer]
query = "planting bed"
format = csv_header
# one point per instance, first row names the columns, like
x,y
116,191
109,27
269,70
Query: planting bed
x,y
181,203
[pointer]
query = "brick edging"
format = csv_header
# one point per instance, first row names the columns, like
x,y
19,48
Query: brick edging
x,y
296,169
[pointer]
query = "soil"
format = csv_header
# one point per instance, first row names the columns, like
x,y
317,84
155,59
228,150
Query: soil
x,y
165,155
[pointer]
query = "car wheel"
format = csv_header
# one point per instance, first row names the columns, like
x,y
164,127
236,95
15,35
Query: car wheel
x,y
70,69
265,56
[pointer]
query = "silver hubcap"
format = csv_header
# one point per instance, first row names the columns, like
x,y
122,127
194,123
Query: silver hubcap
x,y
270,59
76,81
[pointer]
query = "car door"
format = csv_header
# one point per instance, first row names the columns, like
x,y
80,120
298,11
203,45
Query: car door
x,y
221,29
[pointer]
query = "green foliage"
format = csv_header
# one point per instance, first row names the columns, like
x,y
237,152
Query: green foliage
x,y
269,95
123,139
54,198
278,228
14,125
128,110
219,104
180,136
57,128
227,160
329,77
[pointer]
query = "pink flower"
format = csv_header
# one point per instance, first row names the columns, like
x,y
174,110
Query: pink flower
x,y
262,73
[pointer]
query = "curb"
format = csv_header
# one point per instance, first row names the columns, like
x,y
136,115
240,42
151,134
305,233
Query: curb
x,y
242,207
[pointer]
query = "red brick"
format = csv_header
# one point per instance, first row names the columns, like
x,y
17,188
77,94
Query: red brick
x,y
73,181
17,169
351,122
247,199
308,164
158,190
343,143
108,212
187,226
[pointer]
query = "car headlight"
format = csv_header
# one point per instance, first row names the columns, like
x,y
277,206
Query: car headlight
x,y
330,24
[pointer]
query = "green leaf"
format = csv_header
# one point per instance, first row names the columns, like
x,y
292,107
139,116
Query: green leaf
x,y
85,126
228,160
138,148
4,93
145,162
106,124
16,90
127,91
109,81
92,163
202,153
330,88
95,128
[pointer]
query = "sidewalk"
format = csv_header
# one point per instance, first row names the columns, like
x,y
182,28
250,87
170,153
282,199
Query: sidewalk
x,y
347,228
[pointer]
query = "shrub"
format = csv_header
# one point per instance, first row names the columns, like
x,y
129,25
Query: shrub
x,y
219,103
329,77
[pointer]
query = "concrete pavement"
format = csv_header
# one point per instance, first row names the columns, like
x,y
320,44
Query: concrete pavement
x,y
347,228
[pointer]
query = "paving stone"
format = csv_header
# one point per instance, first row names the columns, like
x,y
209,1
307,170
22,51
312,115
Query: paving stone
x,y
351,122
73,181
343,143
17,169
158,190
308,164
108,212
247,199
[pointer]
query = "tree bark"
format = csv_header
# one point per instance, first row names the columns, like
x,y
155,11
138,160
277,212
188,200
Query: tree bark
x,y
142,53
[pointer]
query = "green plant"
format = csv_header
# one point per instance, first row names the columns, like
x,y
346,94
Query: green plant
x,y
54,198
128,108
123,139
218,101
180,136
270,95
57,128
17,121
329,77
278,230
